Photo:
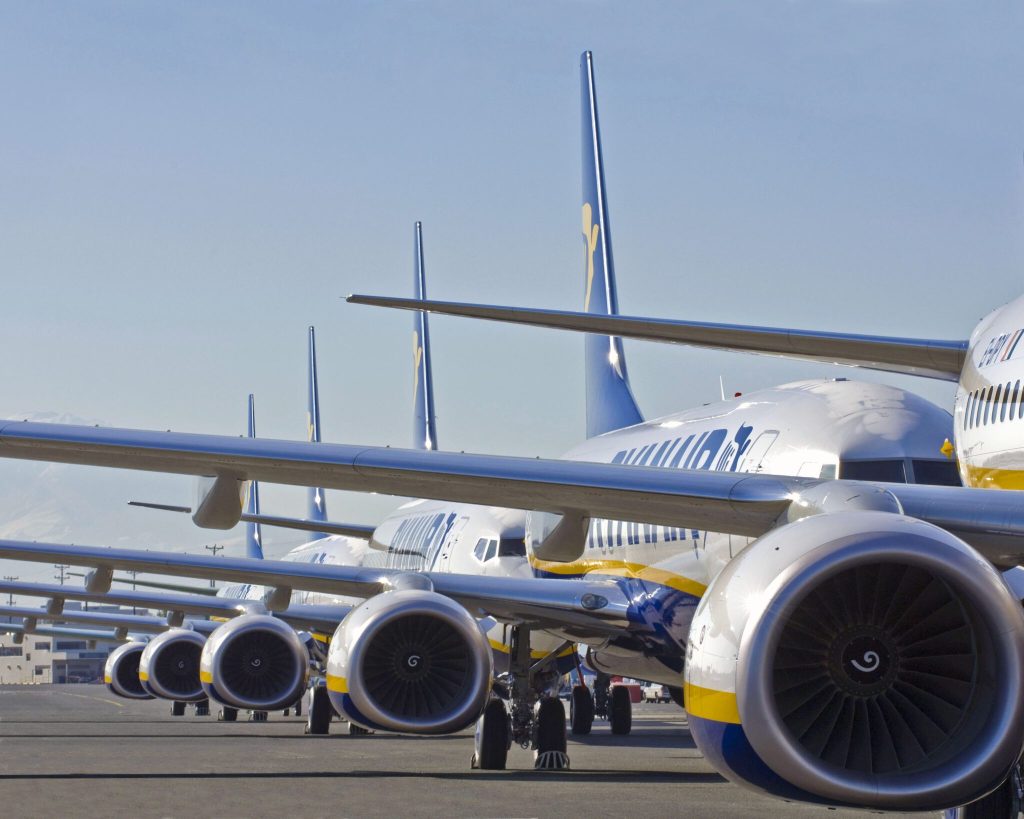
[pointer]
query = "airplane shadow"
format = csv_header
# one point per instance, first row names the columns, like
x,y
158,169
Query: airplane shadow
x,y
625,777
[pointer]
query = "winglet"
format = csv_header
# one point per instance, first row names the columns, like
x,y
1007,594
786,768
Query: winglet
x,y
424,424
610,401
253,533
317,500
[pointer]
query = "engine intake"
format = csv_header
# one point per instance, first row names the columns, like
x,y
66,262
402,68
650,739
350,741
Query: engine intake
x,y
410,661
882,665
169,666
254,662
121,672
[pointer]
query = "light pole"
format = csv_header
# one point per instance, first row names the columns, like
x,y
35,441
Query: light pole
x,y
214,549
10,597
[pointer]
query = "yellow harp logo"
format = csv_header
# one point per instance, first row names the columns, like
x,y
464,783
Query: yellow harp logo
x,y
590,233
417,357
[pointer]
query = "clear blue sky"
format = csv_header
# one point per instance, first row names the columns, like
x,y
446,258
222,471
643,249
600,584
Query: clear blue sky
x,y
185,187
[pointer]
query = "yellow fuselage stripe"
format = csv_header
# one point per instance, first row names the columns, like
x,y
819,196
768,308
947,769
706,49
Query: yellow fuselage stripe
x,y
985,478
339,685
621,568
706,703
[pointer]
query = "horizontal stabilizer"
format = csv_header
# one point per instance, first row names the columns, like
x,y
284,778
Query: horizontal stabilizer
x,y
358,530
931,358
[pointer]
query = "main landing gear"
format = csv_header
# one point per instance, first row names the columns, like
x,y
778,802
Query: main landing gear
x,y
534,717
320,711
612,702
581,710
177,709
227,714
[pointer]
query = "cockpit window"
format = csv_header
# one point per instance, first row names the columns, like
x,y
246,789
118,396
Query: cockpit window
x,y
480,549
512,547
936,472
889,471
492,547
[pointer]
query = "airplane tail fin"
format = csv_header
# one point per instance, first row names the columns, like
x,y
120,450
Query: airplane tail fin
x,y
253,533
610,401
424,424
317,500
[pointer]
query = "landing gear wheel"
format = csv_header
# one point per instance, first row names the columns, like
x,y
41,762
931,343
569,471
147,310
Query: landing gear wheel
x,y
203,708
320,711
550,749
177,709
227,714
581,710
676,694
298,707
287,712
493,738
357,730
258,716
620,710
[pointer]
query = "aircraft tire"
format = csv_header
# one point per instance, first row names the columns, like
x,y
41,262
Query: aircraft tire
x,y
320,712
620,710
357,730
203,708
551,746
258,716
227,714
581,710
493,738
177,709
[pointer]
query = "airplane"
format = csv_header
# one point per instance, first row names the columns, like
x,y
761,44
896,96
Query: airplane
x,y
870,591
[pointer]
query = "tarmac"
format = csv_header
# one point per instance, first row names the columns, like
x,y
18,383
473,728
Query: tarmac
x,y
77,750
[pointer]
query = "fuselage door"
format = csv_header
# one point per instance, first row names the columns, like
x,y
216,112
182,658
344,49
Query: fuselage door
x,y
754,458
444,556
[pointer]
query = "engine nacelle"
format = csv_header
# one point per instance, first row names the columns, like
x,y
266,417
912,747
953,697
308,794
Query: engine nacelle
x,y
169,666
254,662
121,672
859,658
410,661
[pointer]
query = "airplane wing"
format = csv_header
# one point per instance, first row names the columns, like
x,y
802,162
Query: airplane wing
x,y
133,622
19,632
932,358
716,501
595,608
326,527
318,617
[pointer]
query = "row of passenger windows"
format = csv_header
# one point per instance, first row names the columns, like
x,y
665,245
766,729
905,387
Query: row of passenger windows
x,y
1001,402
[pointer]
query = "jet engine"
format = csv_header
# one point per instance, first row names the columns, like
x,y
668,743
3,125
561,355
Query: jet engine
x,y
410,661
859,658
121,672
169,666
254,662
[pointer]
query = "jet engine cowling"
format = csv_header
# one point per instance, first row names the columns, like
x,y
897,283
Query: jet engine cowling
x,y
859,658
409,661
254,662
121,672
169,665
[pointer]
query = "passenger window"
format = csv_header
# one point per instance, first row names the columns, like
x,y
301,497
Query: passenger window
x,y
492,548
480,549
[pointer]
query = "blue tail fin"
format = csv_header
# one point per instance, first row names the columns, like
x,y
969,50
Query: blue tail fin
x,y
424,425
253,533
610,401
317,500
